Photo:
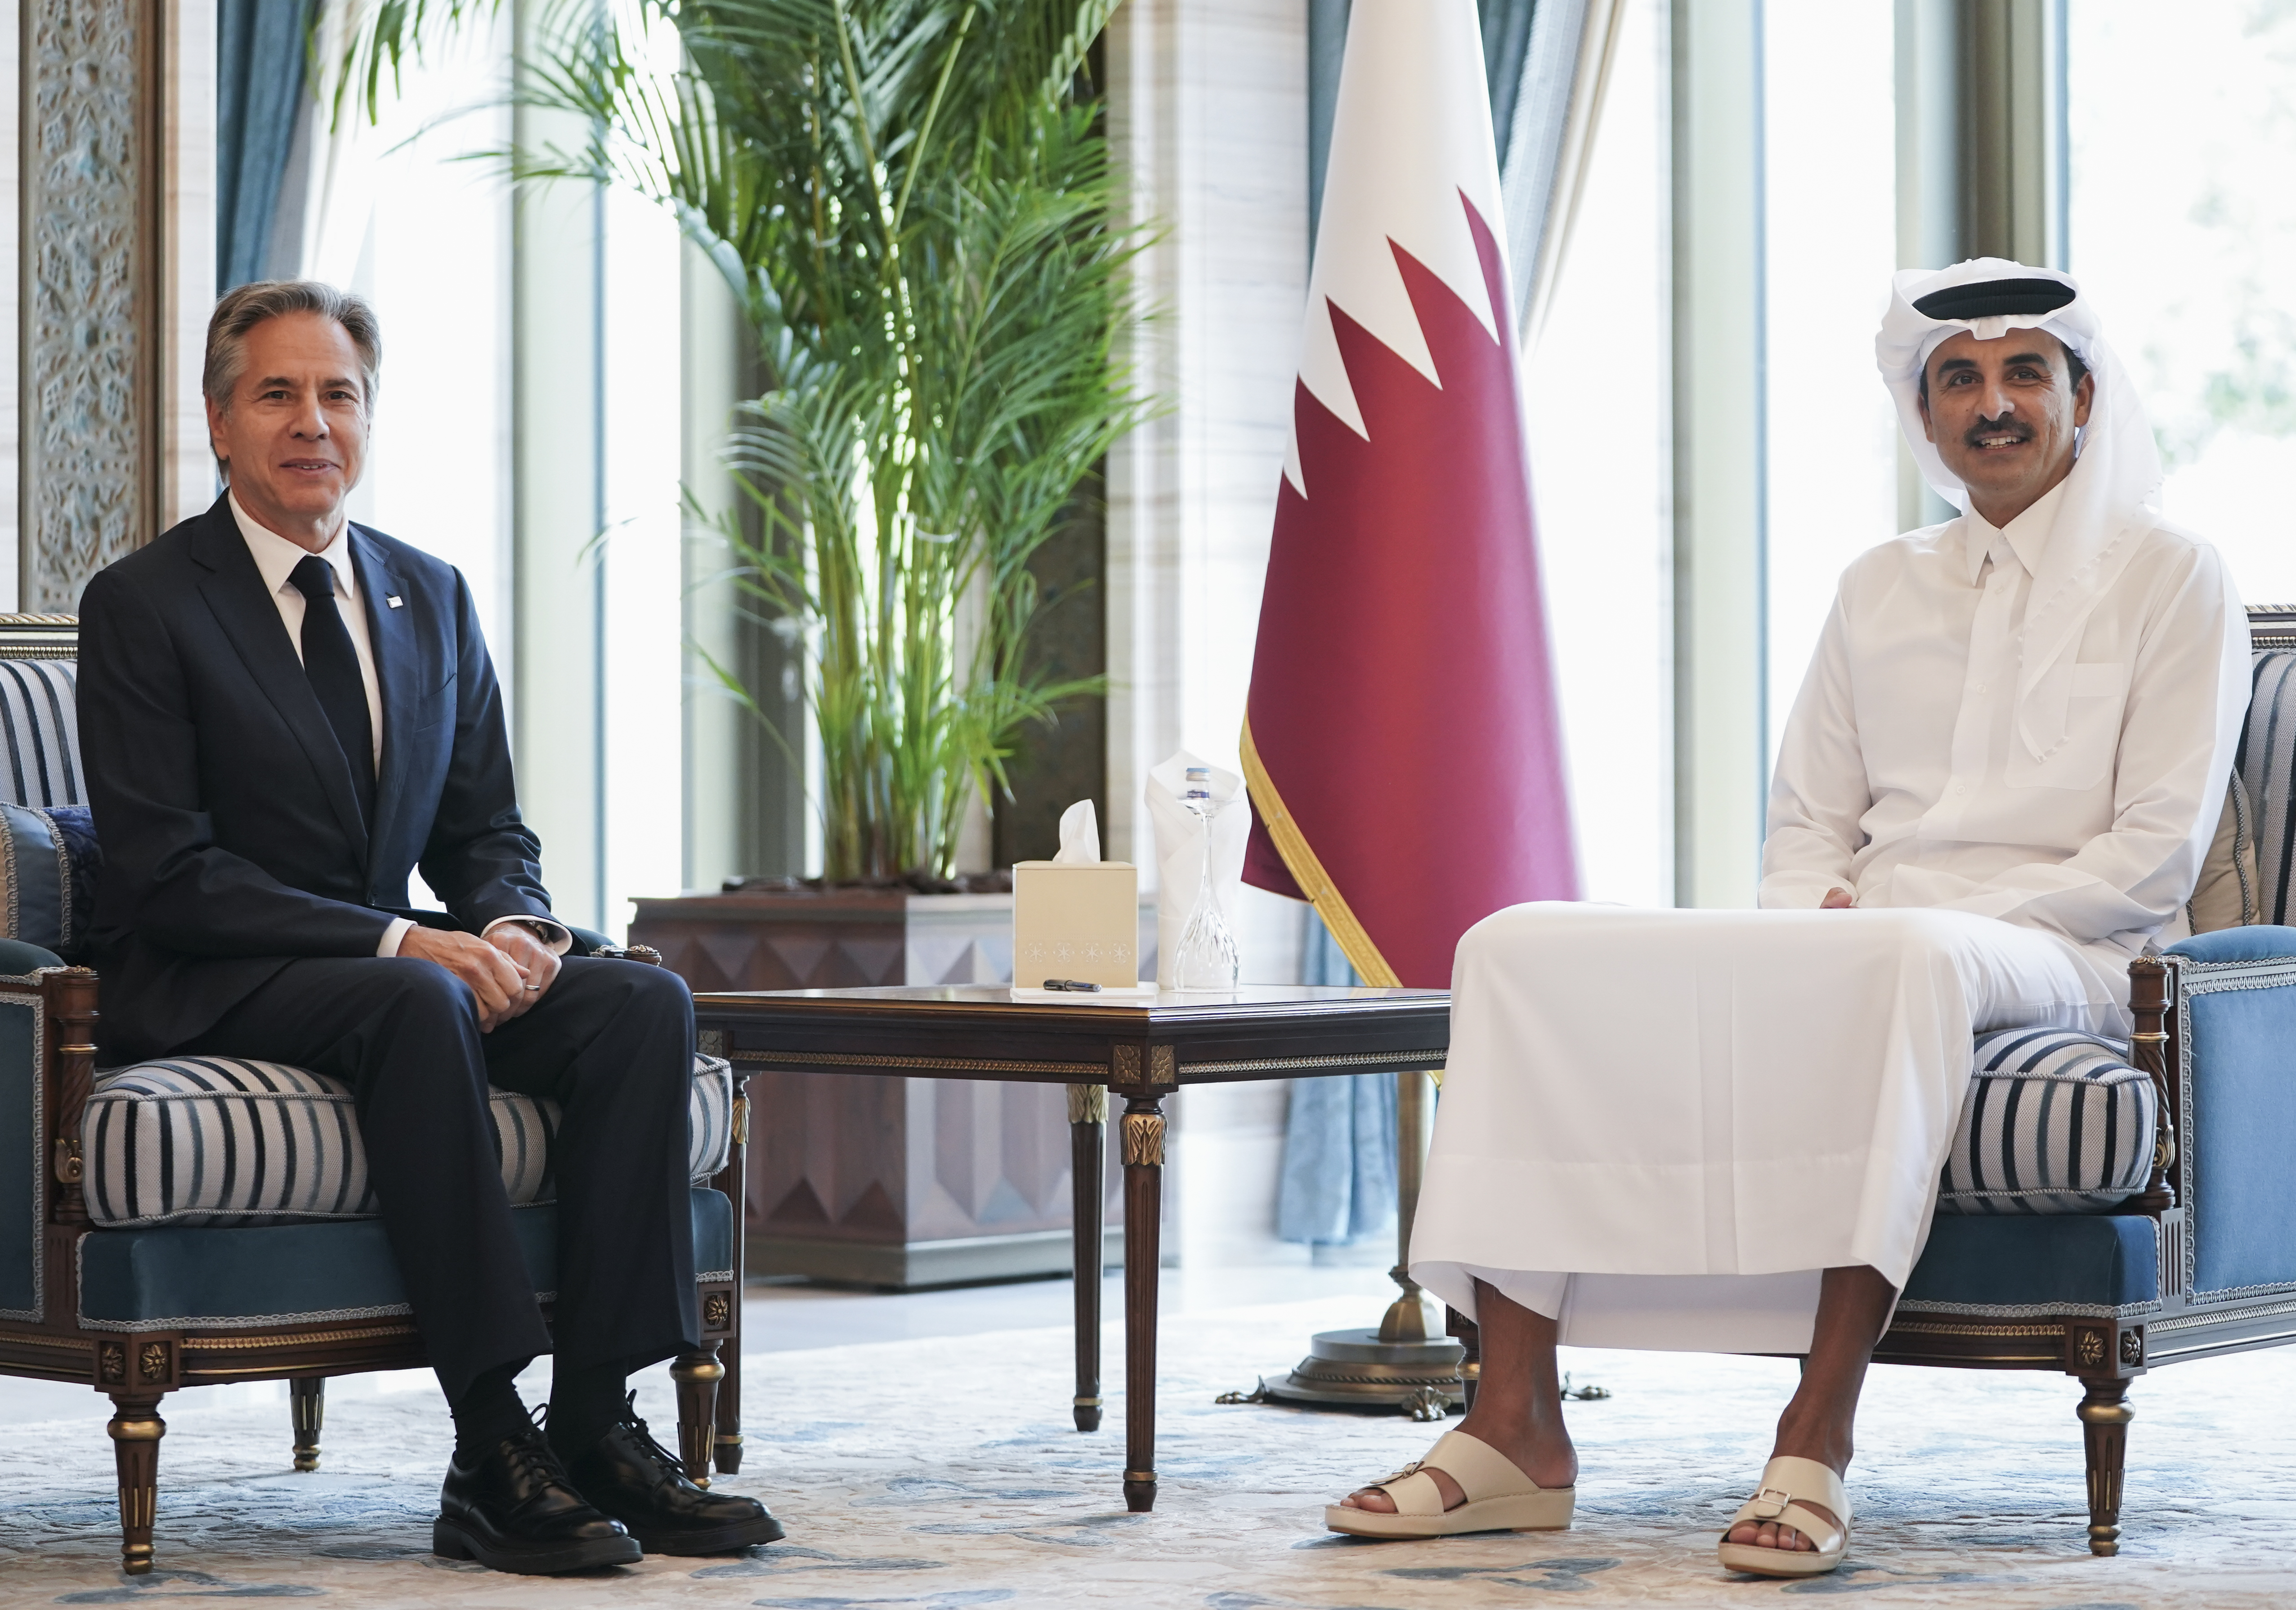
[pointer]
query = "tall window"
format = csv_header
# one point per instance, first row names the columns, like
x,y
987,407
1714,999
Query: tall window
x,y
411,215
1830,164
416,214
2182,226
1597,412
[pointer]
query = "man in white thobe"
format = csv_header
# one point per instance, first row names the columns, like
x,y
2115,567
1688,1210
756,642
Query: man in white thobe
x,y
1723,1130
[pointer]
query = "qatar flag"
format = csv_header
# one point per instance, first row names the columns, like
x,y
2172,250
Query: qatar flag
x,y
1400,737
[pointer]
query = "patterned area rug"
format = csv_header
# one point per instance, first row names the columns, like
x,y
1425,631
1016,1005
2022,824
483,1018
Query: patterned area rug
x,y
942,1475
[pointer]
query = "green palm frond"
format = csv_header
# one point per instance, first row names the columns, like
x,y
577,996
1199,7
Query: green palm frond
x,y
376,40
914,201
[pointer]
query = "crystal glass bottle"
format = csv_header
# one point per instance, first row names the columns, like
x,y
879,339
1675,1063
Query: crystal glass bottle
x,y
1207,956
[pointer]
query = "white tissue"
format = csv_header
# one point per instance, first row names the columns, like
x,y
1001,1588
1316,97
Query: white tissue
x,y
1179,850
1079,835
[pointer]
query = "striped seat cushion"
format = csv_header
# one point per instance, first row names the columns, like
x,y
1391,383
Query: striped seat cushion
x,y
221,1140
2055,1121
526,1125
40,733
48,865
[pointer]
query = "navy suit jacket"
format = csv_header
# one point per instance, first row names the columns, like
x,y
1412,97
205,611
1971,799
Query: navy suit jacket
x,y
233,840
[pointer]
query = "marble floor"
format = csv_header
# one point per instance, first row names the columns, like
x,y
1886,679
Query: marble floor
x,y
918,1449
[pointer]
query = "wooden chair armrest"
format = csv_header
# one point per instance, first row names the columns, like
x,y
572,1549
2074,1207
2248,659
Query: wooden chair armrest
x,y
69,1003
2154,1051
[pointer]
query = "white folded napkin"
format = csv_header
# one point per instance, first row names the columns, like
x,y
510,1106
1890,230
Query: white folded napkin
x,y
1179,850
1079,834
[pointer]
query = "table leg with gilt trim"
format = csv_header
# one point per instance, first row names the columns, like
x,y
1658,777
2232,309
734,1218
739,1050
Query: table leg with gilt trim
x,y
727,1453
135,1429
1087,1150
1143,1217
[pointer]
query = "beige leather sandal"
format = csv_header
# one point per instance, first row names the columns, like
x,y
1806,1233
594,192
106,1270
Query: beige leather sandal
x,y
1500,1497
1788,1485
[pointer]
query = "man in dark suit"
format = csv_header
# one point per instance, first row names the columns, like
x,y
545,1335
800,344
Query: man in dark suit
x,y
283,713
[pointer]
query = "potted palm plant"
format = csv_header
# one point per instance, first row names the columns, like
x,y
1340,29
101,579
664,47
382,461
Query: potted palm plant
x,y
915,202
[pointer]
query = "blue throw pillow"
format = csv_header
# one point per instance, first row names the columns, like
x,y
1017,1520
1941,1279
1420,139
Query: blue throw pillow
x,y
49,863
83,863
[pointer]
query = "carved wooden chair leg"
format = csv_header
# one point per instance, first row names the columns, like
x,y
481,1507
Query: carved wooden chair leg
x,y
697,1375
135,1429
1469,1336
2105,1416
307,1405
727,1455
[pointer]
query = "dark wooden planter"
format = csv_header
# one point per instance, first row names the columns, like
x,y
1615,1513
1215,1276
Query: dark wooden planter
x,y
871,1181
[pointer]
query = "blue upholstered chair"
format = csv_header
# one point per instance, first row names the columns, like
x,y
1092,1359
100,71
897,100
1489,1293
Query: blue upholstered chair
x,y
2202,1260
208,1219
2194,1256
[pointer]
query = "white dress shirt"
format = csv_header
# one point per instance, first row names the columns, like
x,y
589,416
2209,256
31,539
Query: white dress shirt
x,y
1902,779
277,558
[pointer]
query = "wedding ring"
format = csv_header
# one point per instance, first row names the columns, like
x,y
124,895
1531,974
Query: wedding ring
x,y
534,989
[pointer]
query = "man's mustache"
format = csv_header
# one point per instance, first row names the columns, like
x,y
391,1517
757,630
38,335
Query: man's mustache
x,y
2008,424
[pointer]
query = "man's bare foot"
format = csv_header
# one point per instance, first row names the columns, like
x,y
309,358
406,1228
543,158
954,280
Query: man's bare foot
x,y
1550,1461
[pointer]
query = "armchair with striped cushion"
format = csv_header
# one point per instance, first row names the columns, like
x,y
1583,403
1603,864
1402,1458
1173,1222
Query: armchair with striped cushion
x,y
204,1219
2106,1209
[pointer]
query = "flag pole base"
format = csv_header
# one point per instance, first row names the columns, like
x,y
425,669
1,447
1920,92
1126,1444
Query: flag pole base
x,y
1355,1369
1406,1363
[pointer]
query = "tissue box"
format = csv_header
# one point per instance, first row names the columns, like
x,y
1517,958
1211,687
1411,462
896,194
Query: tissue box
x,y
1076,919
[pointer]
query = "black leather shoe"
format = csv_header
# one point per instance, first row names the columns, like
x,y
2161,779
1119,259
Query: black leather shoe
x,y
513,1509
641,1484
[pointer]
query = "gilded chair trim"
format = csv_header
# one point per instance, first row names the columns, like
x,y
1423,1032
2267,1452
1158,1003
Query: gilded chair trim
x,y
2033,1310
392,1310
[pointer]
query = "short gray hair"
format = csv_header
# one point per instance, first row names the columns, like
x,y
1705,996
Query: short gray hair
x,y
244,307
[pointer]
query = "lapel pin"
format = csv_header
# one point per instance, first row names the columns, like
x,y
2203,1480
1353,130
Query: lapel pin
x,y
394,601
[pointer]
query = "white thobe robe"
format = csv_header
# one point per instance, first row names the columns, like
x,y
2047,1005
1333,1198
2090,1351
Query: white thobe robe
x,y
1657,1127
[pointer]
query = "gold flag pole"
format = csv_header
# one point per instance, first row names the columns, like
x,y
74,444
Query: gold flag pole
x,y
1398,1362
1407,1317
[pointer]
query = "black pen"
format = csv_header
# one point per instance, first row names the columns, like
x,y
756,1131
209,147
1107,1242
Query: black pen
x,y
1076,984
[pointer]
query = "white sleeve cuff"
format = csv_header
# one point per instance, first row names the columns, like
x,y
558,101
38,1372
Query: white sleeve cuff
x,y
392,935
554,938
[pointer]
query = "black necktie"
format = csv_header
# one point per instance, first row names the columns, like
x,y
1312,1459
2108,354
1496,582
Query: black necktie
x,y
333,665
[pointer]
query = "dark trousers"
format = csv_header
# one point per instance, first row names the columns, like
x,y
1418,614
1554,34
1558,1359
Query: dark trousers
x,y
613,1042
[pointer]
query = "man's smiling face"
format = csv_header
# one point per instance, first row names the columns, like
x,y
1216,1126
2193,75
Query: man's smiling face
x,y
2002,414
294,433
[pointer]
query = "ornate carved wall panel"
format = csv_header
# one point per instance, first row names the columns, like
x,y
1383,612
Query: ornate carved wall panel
x,y
92,299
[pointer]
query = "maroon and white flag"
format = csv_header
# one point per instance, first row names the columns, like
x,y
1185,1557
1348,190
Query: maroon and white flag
x,y
1400,737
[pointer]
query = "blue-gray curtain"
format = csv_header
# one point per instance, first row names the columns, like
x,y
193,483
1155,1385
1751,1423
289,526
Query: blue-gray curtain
x,y
259,97
1338,1183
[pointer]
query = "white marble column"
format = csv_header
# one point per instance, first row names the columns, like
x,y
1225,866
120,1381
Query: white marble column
x,y
1209,114
1720,509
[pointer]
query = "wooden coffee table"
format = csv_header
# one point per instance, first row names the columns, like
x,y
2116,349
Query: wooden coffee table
x,y
1139,1049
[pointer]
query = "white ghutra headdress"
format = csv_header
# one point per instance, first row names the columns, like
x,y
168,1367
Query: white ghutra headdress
x,y
2110,498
